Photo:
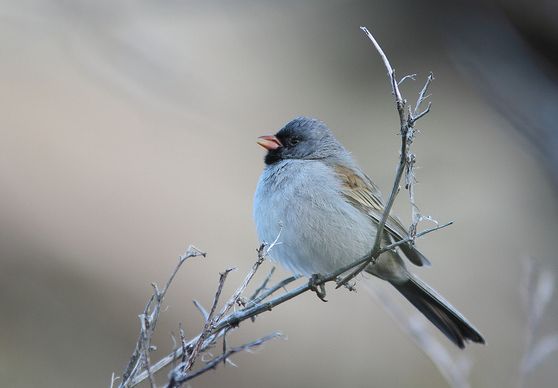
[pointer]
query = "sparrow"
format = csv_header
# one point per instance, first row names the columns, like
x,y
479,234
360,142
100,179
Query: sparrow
x,y
325,210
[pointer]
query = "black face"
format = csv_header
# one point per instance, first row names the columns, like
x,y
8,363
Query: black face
x,y
302,138
290,139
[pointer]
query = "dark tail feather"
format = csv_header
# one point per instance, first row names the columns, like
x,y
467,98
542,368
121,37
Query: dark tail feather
x,y
439,312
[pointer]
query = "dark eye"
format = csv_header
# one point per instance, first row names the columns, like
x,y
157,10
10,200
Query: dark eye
x,y
294,140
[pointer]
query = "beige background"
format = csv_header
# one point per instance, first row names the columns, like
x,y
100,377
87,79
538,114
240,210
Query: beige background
x,y
127,132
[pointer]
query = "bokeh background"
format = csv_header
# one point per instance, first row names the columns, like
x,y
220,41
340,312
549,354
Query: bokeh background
x,y
127,132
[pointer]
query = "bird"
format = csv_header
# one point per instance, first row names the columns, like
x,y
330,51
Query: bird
x,y
326,211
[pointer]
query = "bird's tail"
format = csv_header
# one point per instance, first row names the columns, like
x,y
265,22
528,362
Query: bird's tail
x,y
442,314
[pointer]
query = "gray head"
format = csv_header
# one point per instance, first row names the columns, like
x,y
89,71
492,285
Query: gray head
x,y
302,138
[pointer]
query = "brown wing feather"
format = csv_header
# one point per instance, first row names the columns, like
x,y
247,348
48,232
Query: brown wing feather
x,y
365,195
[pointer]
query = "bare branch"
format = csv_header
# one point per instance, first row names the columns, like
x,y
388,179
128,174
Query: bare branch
x,y
146,347
178,376
183,343
423,96
113,379
153,315
207,330
409,239
390,70
236,296
409,76
202,310
263,285
282,284
261,288
407,135
423,113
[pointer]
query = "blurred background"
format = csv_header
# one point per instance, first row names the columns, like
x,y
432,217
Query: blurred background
x,y
127,132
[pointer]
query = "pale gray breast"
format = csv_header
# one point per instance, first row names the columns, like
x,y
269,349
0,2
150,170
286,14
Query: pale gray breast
x,y
320,231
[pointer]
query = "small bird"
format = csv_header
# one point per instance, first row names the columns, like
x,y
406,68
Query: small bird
x,y
326,211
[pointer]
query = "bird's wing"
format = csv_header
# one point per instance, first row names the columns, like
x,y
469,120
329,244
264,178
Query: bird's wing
x,y
362,193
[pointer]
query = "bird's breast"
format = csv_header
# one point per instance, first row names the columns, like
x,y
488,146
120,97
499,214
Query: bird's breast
x,y
319,231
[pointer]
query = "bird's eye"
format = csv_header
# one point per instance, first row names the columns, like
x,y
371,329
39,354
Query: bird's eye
x,y
294,141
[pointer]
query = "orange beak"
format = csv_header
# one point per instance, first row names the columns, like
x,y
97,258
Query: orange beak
x,y
269,142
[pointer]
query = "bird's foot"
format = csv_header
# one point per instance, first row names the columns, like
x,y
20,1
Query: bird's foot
x,y
316,285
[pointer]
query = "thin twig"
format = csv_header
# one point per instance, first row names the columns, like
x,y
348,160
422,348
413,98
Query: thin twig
x,y
408,76
236,296
207,330
202,310
423,113
113,379
282,284
261,288
179,377
391,71
134,364
146,348
224,345
183,342
409,239
263,285
410,180
423,96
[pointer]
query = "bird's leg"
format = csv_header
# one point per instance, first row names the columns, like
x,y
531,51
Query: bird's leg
x,y
316,284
